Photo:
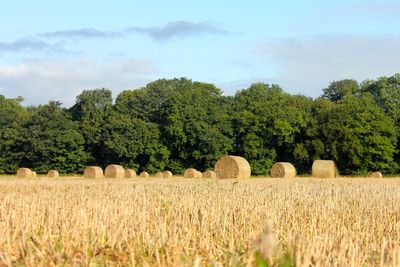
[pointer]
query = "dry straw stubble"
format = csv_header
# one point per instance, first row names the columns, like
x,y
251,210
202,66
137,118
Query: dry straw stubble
x,y
323,169
229,167
93,172
114,171
283,170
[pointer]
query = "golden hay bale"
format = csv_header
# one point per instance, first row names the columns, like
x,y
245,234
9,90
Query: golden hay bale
x,y
283,170
209,174
24,173
167,174
232,167
191,173
114,171
53,174
323,169
34,174
159,175
144,175
93,172
130,173
375,175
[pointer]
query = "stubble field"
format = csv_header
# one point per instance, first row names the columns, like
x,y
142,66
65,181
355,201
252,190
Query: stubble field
x,y
184,222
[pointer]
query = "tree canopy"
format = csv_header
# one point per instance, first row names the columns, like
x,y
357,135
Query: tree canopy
x,y
173,124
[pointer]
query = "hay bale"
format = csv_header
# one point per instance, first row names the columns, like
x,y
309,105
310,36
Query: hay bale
x,y
209,174
375,175
24,173
323,169
34,174
283,170
114,171
53,174
93,172
167,174
159,175
130,173
232,167
144,175
191,173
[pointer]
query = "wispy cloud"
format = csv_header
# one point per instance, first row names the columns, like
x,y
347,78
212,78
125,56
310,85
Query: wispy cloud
x,y
29,45
41,80
82,33
308,64
179,29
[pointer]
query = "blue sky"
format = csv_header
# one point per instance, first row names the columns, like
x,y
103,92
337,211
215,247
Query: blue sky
x,y
52,50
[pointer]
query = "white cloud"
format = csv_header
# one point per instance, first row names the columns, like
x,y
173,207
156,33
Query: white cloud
x,y
39,81
307,65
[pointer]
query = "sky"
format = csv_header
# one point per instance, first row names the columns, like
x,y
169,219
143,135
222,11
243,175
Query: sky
x,y
53,50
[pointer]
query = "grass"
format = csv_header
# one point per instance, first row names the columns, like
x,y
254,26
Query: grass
x,y
188,222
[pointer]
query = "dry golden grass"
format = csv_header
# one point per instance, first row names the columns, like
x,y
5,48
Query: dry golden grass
x,y
198,222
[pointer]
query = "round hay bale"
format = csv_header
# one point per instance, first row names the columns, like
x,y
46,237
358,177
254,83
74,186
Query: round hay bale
x,y
130,173
159,175
34,174
191,173
323,169
209,174
144,175
93,172
167,174
53,174
283,170
375,175
24,173
114,171
232,167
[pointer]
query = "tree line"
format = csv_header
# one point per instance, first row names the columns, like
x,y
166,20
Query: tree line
x,y
173,124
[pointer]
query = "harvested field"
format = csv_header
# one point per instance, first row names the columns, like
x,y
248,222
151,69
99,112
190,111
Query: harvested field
x,y
198,222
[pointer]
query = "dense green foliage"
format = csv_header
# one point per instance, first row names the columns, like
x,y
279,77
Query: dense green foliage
x,y
175,124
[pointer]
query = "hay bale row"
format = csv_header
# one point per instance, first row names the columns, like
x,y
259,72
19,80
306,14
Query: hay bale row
x,y
229,167
167,174
130,173
24,173
53,174
323,169
192,173
375,175
209,174
159,175
114,171
93,172
283,170
144,175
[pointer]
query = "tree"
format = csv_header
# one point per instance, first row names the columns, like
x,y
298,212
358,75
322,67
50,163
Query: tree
x,y
358,135
192,117
49,139
134,143
12,114
339,89
267,125
91,109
